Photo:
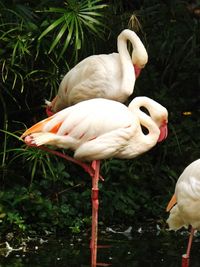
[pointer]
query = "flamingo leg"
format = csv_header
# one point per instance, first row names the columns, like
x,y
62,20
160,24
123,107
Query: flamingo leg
x,y
87,168
185,257
95,205
94,172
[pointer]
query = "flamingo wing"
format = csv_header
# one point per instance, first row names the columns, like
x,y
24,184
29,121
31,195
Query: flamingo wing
x,y
97,76
107,145
81,123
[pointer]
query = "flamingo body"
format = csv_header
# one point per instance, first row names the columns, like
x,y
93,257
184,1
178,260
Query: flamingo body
x,y
184,205
110,76
187,193
101,128
98,129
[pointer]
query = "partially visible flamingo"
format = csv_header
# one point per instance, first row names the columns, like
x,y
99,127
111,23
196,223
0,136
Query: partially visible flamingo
x,y
99,129
184,205
109,76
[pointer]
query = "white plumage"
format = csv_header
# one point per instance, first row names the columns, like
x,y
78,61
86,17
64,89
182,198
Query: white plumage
x,y
187,192
110,76
184,205
101,128
98,129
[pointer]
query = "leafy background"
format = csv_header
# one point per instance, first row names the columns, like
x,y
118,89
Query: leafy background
x,y
39,43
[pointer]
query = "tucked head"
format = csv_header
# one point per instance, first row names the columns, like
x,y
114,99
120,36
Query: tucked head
x,y
139,58
158,113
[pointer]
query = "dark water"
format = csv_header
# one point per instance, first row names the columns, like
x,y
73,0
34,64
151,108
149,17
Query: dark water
x,y
148,248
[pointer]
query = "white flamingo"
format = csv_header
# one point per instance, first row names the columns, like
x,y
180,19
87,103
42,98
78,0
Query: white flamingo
x,y
98,129
101,128
109,76
184,205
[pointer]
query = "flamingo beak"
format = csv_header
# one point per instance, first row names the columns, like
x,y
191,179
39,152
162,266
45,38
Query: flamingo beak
x,y
163,132
137,71
171,203
49,111
50,106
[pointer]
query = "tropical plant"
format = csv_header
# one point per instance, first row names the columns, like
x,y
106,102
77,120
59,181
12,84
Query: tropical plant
x,y
29,74
76,21
39,42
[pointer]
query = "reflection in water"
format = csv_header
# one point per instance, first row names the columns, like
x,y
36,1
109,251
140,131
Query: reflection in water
x,y
146,248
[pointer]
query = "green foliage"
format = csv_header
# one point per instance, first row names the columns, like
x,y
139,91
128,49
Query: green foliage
x,y
39,42
74,23
26,209
37,197
30,61
32,66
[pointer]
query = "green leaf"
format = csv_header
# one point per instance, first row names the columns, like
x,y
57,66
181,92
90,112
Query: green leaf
x,y
69,37
51,27
58,37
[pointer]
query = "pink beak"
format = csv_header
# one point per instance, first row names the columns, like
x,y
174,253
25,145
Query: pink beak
x,y
163,132
49,112
49,108
137,71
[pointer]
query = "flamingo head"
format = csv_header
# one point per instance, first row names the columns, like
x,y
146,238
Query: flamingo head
x,y
139,59
159,115
155,112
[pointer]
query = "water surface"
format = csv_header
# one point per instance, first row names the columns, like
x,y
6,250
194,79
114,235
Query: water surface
x,y
141,248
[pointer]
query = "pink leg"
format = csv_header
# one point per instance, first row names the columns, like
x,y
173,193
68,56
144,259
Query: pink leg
x,y
95,205
94,172
185,257
87,168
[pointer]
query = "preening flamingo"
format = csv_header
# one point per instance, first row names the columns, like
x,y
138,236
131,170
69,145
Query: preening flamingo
x,y
109,76
98,129
184,206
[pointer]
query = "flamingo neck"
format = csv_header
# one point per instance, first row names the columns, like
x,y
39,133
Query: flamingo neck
x,y
139,59
127,68
147,121
152,136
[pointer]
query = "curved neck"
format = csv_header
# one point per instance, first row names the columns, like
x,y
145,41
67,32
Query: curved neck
x,y
139,54
145,120
127,68
153,130
139,58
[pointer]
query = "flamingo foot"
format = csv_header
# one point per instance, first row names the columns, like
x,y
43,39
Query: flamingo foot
x,y
29,141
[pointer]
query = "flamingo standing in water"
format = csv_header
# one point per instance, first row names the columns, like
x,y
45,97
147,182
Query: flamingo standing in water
x,y
184,205
109,76
98,129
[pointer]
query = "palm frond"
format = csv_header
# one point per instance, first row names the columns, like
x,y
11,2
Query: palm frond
x,y
73,23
